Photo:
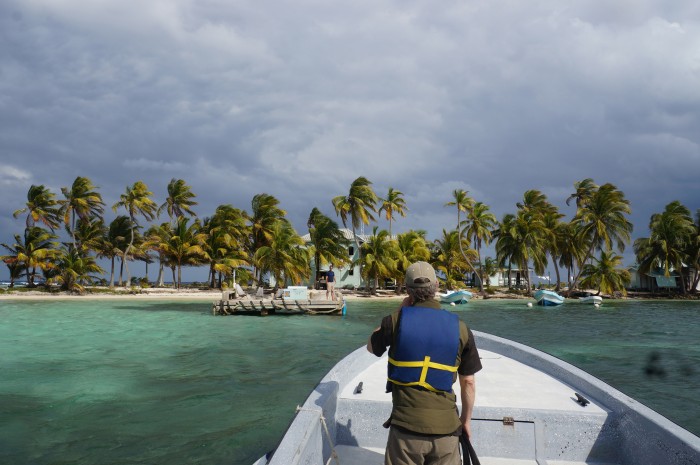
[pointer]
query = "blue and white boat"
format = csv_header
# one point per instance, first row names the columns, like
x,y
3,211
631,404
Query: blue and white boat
x,y
548,298
456,297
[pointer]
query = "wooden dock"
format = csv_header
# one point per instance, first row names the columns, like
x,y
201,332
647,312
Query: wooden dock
x,y
264,307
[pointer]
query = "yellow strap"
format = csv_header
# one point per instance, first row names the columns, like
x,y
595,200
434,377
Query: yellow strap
x,y
424,363
416,383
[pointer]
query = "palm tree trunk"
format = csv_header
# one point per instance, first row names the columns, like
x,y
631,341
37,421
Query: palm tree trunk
x,y
359,252
578,273
111,274
159,280
317,263
481,270
469,263
680,273
126,253
172,268
126,265
556,272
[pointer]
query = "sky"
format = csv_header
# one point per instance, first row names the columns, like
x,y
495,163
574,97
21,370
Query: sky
x,y
299,98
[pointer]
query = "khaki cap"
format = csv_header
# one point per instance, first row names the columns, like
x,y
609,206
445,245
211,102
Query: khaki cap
x,y
420,274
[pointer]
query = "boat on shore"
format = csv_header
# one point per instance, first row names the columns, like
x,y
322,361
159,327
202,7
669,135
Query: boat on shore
x,y
531,408
455,297
591,299
548,298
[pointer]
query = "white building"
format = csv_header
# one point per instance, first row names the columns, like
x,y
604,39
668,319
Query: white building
x,y
347,276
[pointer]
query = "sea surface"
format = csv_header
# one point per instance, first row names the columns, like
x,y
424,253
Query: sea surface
x,y
165,382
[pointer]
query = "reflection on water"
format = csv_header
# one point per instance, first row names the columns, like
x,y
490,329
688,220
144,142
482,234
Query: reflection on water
x,y
163,382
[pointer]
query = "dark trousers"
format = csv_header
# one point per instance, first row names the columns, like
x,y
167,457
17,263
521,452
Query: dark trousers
x,y
404,448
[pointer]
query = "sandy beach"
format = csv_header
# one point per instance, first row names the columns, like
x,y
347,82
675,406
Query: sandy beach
x,y
210,294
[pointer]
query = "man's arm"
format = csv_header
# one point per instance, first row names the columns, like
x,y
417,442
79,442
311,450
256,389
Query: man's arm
x,y
369,341
467,386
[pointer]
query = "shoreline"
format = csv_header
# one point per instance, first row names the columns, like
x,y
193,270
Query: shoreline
x,y
216,295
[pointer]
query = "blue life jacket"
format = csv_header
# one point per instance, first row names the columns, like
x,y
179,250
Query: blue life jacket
x,y
425,350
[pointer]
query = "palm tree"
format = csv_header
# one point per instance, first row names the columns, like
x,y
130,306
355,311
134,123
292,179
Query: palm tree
x,y
179,200
607,275
412,247
114,242
15,269
393,204
379,257
557,235
41,207
451,258
285,257
490,268
136,201
521,238
156,237
480,221
584,191
75,270
507,244
672,233
35,250
571,246
81,201
226,232
694,254
89,232
329,243
185,246
357,207
603,222
13,261
264,218
464,203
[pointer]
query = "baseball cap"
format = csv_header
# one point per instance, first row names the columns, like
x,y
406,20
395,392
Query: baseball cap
x,y
420,274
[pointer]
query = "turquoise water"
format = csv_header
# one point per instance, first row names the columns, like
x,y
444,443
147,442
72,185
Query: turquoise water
x,y
164,382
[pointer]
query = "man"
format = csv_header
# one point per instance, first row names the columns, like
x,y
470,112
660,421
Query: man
x,y
330,282
428,349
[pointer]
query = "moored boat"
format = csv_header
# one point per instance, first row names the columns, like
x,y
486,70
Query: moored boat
x,y
531,408
591,299
548,298
457,297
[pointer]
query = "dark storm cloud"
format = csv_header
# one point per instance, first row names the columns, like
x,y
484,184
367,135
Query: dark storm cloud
x,y
299,98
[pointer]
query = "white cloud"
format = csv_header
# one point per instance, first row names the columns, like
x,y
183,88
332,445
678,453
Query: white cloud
x,y
11,176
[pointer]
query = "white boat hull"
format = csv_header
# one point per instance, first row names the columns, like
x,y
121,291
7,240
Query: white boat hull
x,y
591,299
536,390
548,298
456,297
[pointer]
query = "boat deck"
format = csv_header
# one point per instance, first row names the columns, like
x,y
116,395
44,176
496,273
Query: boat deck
x,y
505,388
494,383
